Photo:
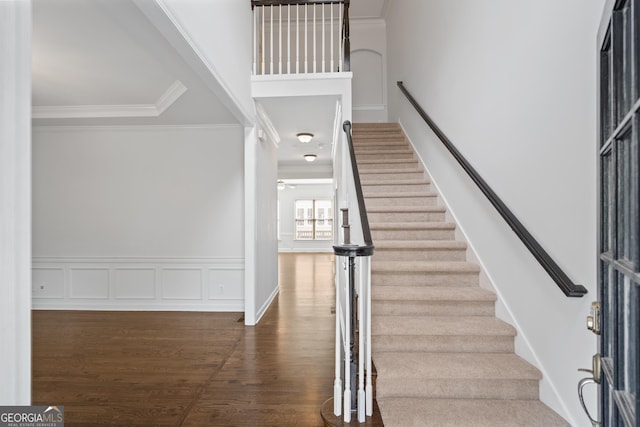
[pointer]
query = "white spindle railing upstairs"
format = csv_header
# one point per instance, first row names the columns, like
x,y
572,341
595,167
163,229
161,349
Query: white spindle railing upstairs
x,y
353,300
300,36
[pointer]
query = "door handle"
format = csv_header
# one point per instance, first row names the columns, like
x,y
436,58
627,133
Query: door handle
x,y
596,372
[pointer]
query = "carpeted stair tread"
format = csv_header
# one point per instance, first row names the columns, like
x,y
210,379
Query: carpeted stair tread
x,y
378,266
387,195
390,171
439,225
405,209
420,244
385,151
384,161
440,326
454,366
383,182
416,412
455,375
431,293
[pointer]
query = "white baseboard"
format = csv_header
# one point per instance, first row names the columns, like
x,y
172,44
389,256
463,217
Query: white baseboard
x,y
267,304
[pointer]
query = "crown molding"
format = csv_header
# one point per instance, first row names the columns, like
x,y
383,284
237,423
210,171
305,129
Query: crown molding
x,y
132,128
267,125
171,95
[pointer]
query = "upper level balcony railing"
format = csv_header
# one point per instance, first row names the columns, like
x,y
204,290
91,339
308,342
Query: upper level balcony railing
x,y
300,36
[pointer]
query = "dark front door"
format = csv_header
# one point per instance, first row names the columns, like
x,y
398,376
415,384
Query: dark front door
x,y
619,268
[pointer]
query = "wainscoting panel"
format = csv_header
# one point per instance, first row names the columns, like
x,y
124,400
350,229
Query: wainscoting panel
x,y
201,284
181,283
89,283
135,283
47,283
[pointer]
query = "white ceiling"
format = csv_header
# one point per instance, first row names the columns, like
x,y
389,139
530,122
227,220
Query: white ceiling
x,y
101,62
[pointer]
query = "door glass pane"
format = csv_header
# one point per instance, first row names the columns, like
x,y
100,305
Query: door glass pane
x,y
608,303
324,220
606,211
627,183
606,99
623,59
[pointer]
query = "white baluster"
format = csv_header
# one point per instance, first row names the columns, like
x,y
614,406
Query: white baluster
x,y
369,386
297,39
324,24
347,347
332,69
280,39
255,42
262,49
340,37
306,43
289,39
271,43
361,343
314,39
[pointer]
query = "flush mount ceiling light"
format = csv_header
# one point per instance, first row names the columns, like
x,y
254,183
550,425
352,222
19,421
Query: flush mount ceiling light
x,y
310,157
304,137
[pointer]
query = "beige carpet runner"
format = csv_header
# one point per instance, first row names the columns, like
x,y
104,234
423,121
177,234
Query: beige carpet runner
x,y
442,357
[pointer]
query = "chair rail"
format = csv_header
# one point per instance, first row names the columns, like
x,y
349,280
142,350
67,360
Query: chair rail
x,y
563,281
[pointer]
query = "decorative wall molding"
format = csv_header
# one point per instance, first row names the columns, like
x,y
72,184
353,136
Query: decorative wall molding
x,y
131,128
171,95
116,283
267,125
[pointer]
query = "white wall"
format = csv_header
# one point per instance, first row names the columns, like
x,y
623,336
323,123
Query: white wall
x,y
15,202
369,67
261,244
287,199
220,32
513,85
138,218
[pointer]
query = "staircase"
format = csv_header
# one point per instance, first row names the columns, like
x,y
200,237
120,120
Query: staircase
x,y
442,357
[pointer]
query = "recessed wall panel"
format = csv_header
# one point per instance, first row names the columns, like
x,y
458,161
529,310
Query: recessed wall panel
x,y
89,283
133,283
47,283
182,284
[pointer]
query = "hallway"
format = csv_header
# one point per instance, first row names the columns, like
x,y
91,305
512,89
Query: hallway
x,y
194,369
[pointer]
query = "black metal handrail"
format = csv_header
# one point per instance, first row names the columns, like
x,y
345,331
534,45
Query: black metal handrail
x,y
563,281
368,247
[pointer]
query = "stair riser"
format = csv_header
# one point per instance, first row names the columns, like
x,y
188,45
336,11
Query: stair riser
x,y
387,156
394,188
421,254
432,308
436,234
401,201
443,344
387,217
390,177
457,388
423,279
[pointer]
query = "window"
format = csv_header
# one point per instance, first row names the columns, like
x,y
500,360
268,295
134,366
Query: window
x,y
314,220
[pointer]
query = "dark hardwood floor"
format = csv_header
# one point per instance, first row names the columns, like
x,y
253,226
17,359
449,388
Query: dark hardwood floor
x,y
194,369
